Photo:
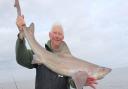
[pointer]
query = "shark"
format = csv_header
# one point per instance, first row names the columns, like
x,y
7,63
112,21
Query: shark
x,y
65,64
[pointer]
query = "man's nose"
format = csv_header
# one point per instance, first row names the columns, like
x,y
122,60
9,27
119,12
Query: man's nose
x,y
57,35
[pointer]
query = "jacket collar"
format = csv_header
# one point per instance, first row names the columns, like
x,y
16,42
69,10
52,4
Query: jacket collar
x,y
48,46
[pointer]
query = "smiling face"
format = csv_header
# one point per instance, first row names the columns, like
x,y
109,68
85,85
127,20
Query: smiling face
x,y
56,36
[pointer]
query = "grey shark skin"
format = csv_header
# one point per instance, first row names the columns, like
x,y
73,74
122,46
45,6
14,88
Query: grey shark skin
x,y
64,64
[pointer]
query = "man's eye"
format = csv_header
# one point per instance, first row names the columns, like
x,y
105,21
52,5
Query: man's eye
x,y
55,32
60,33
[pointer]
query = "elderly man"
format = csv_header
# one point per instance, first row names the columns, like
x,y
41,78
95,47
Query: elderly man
x,y
45,78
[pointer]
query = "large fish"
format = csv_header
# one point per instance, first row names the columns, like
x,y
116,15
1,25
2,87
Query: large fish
x,y
65,64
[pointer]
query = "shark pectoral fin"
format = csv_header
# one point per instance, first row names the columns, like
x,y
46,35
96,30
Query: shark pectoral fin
x,y
79,79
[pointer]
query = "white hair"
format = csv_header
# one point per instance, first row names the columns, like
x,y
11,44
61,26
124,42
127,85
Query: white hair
x,y
57,25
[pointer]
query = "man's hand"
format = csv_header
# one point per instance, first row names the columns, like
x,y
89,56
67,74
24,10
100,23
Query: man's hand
x,y
20,24
91,82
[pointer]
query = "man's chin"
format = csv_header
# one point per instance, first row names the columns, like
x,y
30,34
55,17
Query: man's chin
x,y
58,43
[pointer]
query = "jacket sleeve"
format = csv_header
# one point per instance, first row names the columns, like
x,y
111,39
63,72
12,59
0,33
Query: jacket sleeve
x,y
71,83
24,56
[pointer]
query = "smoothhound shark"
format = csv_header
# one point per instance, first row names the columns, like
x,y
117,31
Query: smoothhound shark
x,y
64,64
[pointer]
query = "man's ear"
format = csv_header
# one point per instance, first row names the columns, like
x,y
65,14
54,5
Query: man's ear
x,y
63,38
50,35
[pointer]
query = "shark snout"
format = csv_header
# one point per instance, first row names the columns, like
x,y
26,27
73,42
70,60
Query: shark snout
x,y
108,70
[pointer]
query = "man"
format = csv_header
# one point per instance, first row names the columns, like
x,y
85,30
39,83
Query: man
x,y
45,78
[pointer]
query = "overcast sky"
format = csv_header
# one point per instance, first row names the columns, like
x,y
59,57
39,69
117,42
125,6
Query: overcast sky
x,y
95,30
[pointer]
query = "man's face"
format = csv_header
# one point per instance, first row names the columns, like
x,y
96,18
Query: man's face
x,y
56,35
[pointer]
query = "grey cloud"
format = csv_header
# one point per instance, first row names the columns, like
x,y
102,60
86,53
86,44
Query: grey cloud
x,y
96,30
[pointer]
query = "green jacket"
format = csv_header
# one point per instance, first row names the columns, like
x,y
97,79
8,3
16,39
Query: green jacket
x,y
24,56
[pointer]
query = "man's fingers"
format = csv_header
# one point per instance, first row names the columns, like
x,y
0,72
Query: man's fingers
x,y
91,82
95,82
93,86
23,16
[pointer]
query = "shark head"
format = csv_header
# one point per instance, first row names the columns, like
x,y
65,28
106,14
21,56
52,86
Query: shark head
x,y
101,72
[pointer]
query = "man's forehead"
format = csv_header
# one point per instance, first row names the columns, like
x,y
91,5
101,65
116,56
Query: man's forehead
x,y
57,28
